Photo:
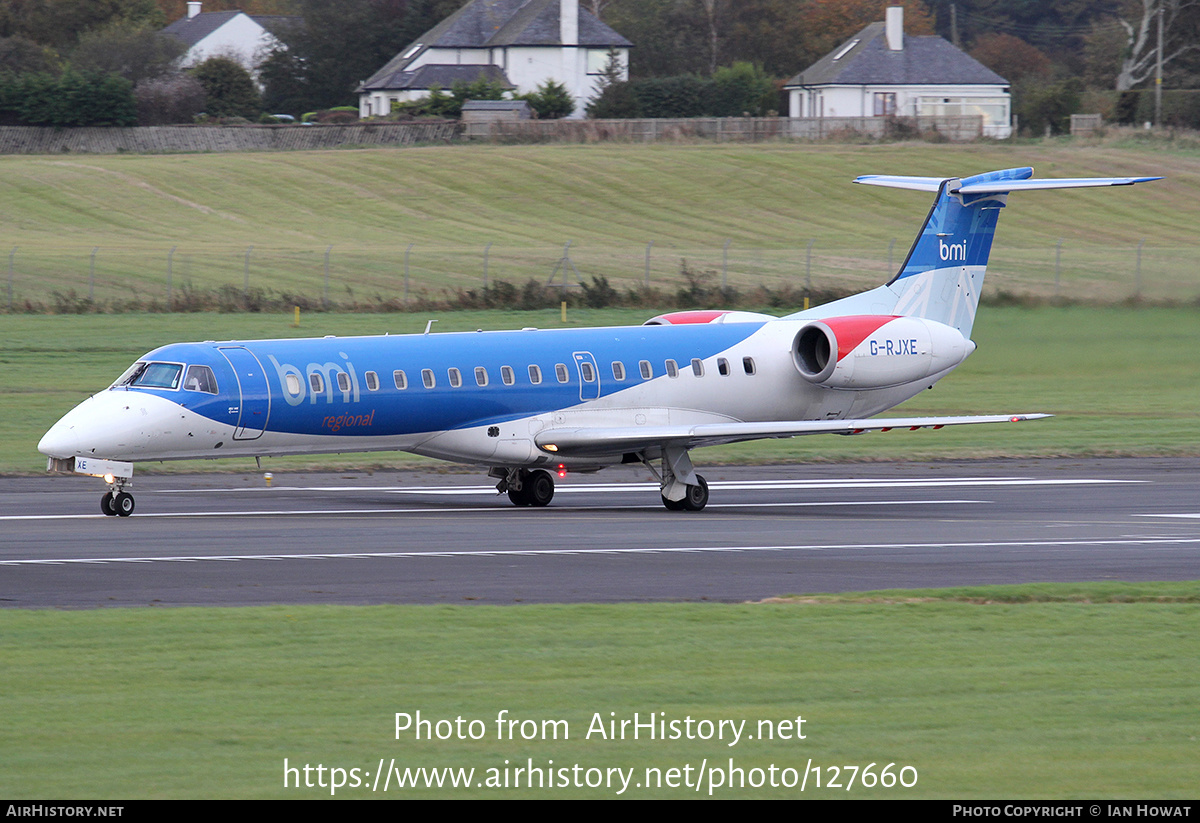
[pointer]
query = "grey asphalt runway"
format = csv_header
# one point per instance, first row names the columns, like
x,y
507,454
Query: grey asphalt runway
x,y
407,537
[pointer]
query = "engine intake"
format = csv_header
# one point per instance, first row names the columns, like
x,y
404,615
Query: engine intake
x,y
876,351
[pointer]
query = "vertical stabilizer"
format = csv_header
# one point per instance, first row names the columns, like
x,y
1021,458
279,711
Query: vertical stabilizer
x,y
943,274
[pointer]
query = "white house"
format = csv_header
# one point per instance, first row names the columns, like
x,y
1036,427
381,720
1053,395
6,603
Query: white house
x,y
232,34
881,72
523,43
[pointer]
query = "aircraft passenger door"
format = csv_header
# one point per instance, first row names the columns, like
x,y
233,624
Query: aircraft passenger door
x,y
589,375
254,406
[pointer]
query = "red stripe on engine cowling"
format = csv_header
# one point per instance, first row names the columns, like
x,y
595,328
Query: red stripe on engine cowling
x,y
852,330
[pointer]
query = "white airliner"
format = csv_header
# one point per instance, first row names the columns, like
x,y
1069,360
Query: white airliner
x,y
528,404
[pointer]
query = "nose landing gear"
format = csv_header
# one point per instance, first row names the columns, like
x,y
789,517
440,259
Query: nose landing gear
x,y
116,501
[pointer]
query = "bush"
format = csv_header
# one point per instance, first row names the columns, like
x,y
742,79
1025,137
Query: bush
x,y
229,88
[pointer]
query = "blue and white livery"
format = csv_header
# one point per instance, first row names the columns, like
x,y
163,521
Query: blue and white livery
x,y
528,404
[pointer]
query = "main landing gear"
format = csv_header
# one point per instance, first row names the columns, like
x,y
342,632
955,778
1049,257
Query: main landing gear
x,y
681,488
526,487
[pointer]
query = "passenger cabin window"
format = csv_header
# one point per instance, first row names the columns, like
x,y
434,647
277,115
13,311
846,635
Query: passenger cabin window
x,y
343,381
722,366
400,379
748,365
507,375
535,374
697,367
372,381
481,376
200,378
646,369
672,368
455,377
318,385
587,372
292,384
560,370
618,370
427,378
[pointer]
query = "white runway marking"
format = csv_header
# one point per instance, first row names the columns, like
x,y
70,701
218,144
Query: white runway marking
x,y
1189,515
1017,544
743,485
501,509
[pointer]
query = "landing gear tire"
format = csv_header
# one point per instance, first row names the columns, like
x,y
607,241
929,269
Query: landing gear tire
x,y
540,488
106,505
695,499
123,504
537,489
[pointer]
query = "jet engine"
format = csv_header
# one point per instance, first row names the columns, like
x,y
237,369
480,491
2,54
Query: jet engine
x,y
876,351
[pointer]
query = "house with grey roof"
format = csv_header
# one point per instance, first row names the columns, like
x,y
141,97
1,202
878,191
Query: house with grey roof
x,y
523,43
882,72
232,34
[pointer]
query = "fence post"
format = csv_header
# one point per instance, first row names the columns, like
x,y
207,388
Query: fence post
x,y
246,274
1137,277
92,275
12,254
808,266
1057,266
725,266
486,249
170,262
325,292
406,251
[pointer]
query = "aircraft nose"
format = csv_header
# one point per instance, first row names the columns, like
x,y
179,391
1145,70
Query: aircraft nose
x,y
61,441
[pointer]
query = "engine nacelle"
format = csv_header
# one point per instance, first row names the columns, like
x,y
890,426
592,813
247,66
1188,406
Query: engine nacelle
x,y
872,351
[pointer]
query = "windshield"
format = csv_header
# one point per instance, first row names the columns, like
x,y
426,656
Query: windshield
x,y
151,375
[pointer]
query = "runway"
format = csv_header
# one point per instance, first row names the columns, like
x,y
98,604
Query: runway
x,y
409,537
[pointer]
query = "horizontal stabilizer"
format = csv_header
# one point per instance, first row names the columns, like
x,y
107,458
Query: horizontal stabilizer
x,y
604,441
973,186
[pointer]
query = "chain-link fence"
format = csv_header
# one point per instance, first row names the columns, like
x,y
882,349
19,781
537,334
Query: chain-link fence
x,y
417,275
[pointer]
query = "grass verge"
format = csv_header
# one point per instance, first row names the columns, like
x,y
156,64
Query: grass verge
x,y
1081,690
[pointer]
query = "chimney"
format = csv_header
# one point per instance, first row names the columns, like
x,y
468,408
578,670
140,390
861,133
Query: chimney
x,y
895,28
568,22
193,9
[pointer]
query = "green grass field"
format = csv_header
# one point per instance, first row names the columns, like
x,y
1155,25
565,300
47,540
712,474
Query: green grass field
x,y
269,218
1082,691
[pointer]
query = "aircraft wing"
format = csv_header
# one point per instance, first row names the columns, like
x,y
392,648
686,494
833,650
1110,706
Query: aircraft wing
x,y
619,440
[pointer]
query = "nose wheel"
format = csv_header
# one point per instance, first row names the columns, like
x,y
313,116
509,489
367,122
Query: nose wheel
x,y
117,504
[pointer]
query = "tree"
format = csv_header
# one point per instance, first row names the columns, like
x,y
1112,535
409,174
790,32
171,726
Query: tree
x,y
169,99
1179,20
551,101
59,23
136,53
229,89
19,55
1011,57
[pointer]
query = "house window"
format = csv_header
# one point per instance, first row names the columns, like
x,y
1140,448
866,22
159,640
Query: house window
x,y
885,104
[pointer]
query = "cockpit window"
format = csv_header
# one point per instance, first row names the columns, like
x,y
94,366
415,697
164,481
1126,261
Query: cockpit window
x,y
152,375
200,378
